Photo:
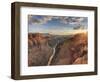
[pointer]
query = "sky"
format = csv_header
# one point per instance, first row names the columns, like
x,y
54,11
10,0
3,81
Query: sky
x,y
56,24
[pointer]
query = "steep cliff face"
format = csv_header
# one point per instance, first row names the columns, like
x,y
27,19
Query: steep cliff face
x,y
57,50
72,51
38,50
36,39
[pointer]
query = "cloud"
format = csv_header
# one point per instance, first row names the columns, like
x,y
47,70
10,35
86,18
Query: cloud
x,y
81,27
37,19
72,20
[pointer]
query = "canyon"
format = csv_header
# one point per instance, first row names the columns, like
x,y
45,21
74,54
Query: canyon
x,y
46,49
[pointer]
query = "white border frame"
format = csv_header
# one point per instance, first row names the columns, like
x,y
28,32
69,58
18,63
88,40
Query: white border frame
x,y
25,70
